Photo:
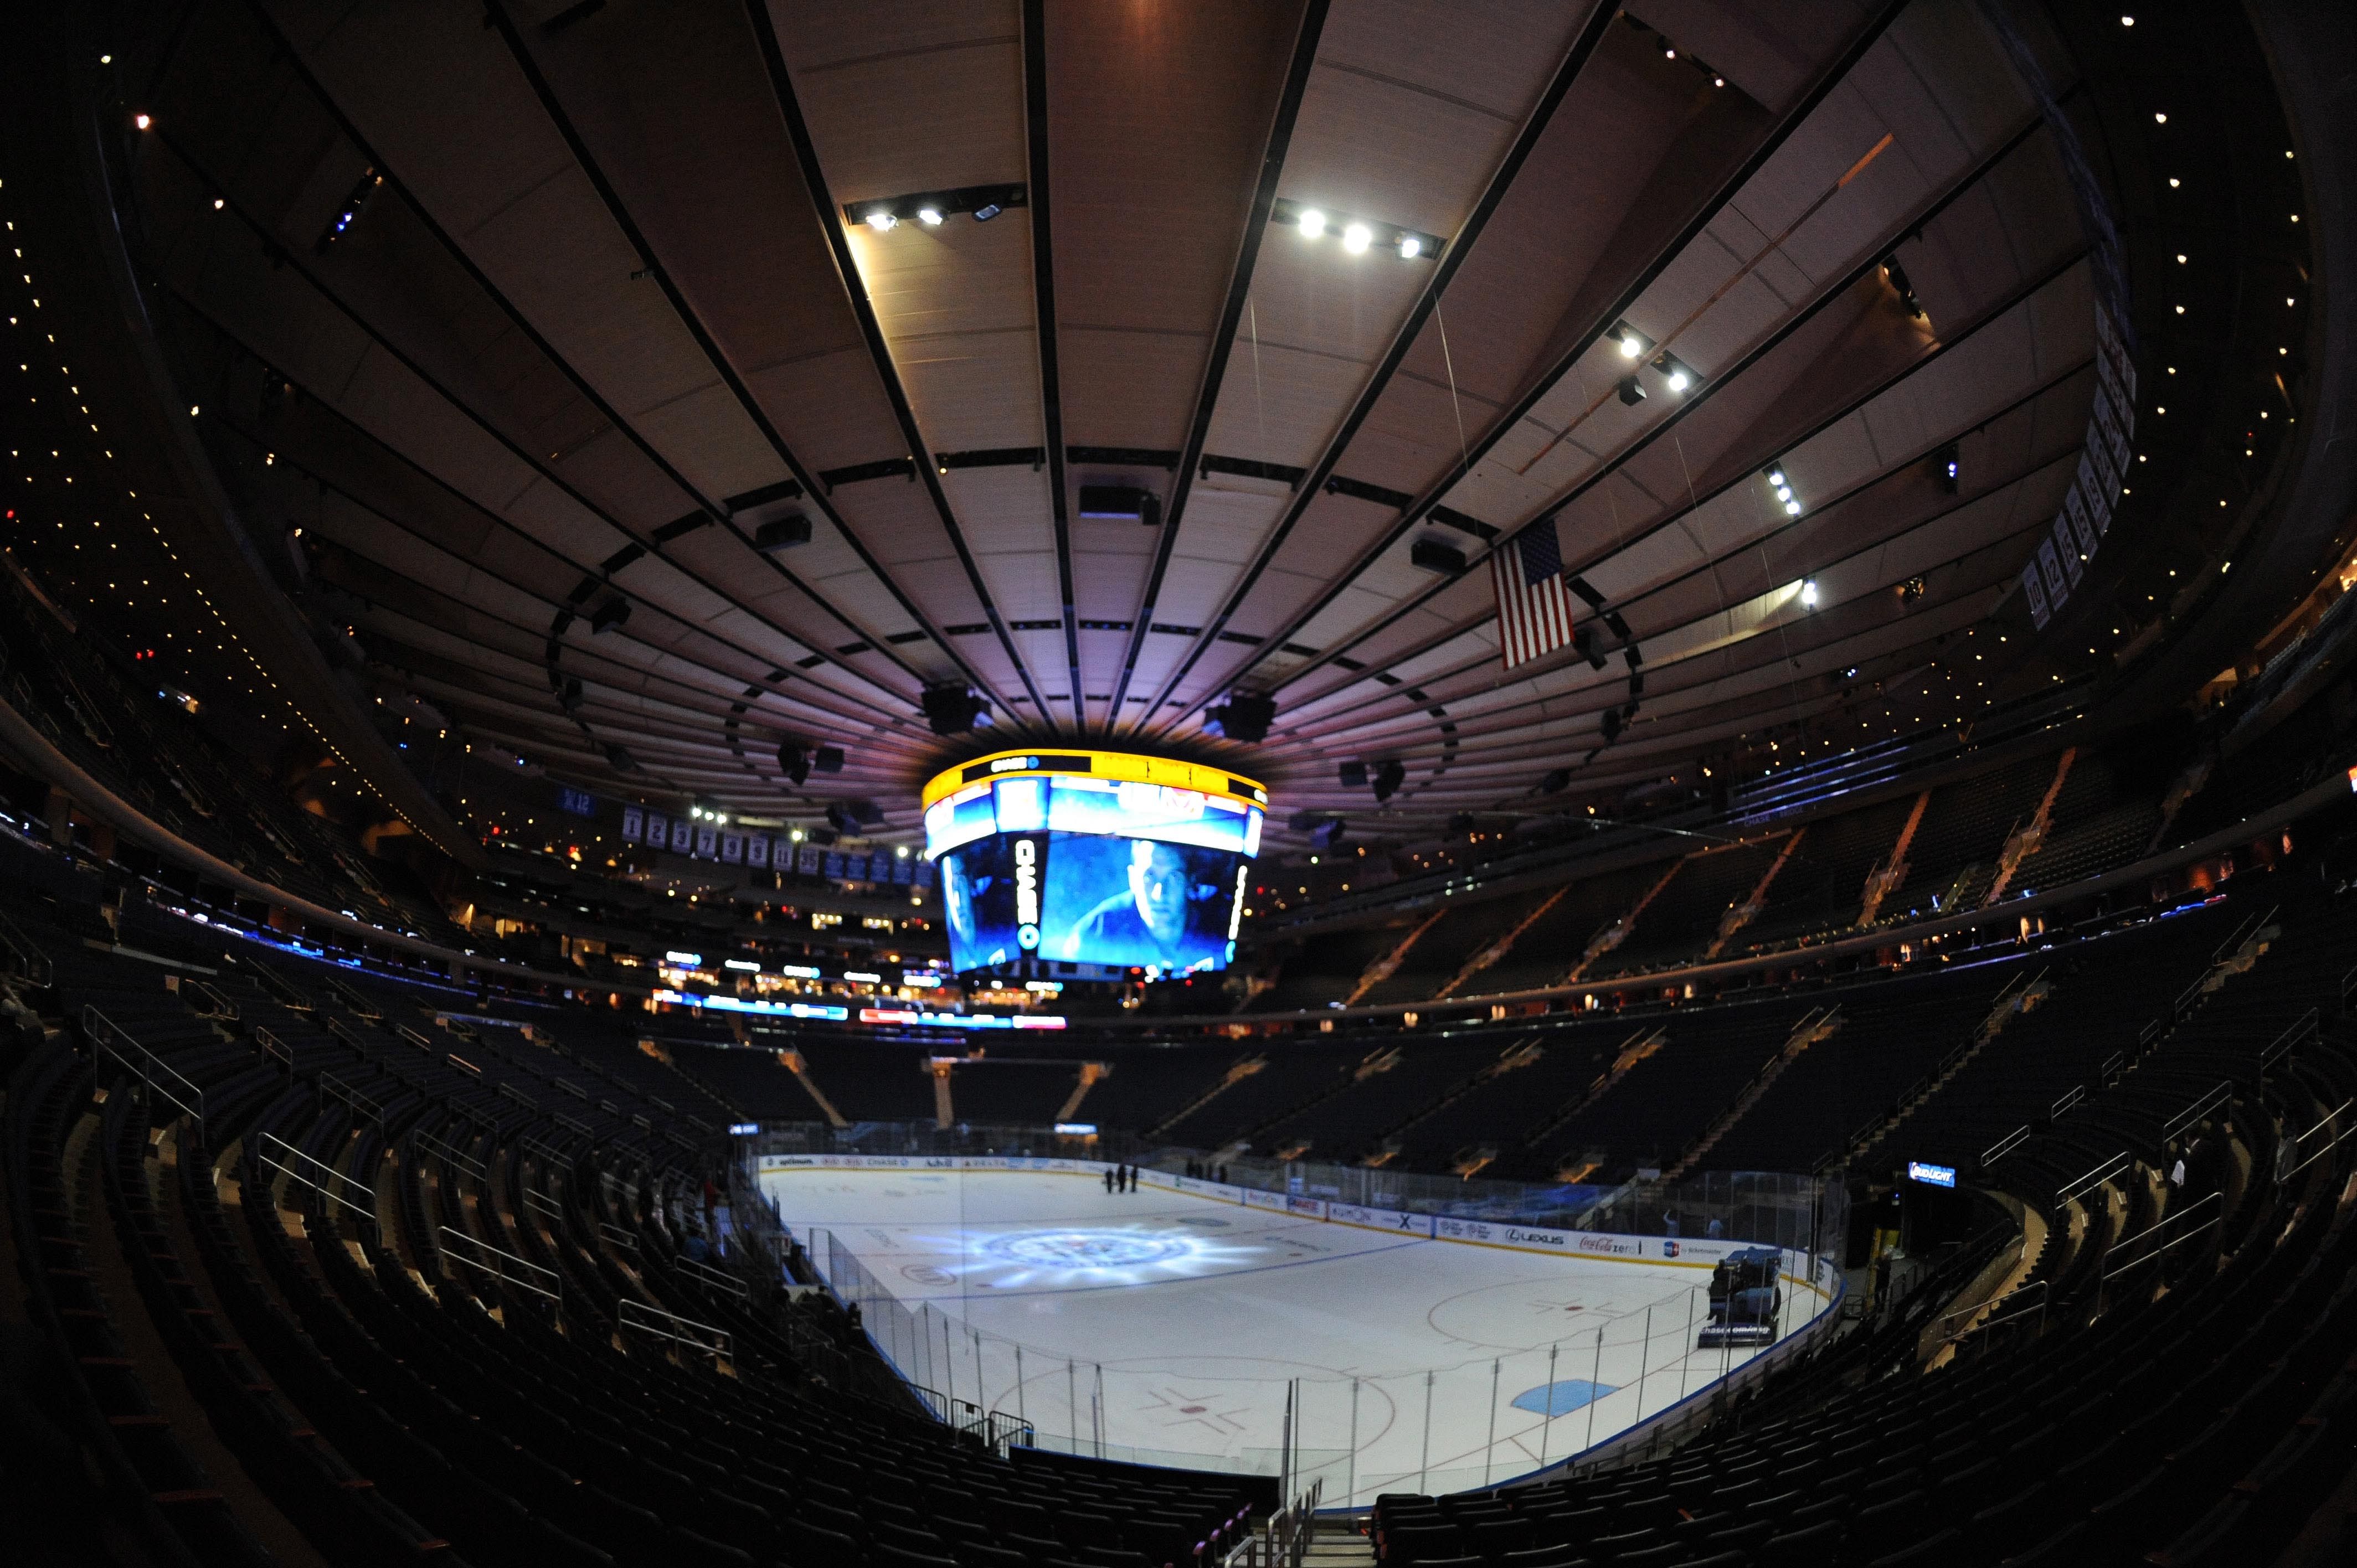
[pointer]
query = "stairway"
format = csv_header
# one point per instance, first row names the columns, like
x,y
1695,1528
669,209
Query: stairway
x,y
1337,1543
1817,1024
2016,998
1381,969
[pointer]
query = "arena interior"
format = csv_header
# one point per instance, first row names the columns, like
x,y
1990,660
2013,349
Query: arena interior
x,y
1179,784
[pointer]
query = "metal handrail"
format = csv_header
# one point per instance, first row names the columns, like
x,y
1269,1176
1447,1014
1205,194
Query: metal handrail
x,y
367,1210
451,1153
99,1028
2093,1178
417,1038
540,1203
2323,1123
2211,1200
1998,1312
219,1006
450,1233
2198,1110
360,1005
2005,1145
622,1318
2297,1033
2076,1093
30,957
274,1049
332,1087
713,1278
547,1152
615,1236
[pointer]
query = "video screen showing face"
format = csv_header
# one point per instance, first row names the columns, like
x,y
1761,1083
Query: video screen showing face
x,y
978,899
1139,902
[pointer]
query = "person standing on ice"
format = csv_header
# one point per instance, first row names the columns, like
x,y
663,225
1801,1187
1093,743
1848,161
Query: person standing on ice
x,y
1108,1181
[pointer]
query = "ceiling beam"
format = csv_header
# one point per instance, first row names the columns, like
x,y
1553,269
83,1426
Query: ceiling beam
x,y
829,218
1038,195
1613,310
1223,337
814,490
1312,483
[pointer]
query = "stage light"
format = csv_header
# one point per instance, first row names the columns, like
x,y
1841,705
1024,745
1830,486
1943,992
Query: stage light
x,y
930,217
1776,477
1677,380
1356,238
2160,118
881,219
1673,372
1809,593
1631,348
1313,222
141,121
1410,247
218,204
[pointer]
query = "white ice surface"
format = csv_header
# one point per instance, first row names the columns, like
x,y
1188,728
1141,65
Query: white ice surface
x,y
1167,1327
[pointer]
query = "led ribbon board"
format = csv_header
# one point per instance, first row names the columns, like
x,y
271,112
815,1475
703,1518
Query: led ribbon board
x,y
1098,863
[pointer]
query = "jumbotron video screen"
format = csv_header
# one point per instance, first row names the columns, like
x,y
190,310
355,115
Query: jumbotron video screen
x,y
1095,864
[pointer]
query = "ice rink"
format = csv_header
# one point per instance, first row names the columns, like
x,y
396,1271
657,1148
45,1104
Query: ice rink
x,y
1168,1327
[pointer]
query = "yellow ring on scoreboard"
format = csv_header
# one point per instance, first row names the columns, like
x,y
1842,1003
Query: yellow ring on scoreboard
x,y
1125,766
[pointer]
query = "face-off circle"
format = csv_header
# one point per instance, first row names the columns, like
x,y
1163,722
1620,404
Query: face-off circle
x,y
1085,1248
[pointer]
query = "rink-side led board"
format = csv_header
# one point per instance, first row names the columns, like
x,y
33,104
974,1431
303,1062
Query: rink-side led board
x,y
1098,865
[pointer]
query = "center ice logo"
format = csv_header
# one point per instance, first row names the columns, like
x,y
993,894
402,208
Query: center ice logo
x,y
1085,1248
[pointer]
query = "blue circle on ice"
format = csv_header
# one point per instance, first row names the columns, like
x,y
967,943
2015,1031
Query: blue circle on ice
x,y
1084,1248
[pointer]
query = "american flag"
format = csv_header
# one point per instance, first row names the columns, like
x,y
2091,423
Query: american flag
x,y
1533,603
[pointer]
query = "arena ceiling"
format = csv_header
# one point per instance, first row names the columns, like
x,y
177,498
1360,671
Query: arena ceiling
x,y
530,314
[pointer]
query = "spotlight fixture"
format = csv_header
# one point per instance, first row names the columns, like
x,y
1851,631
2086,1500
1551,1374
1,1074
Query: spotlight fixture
x,y
1783,488
827,759
952,708
1610,725
1121,503
1673,372
1435,555
569,697
1809,593
1327,833
1632,344
1897,275
1556,782
142,121
930,208
1245,717
782,534
1947,470
1358,235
